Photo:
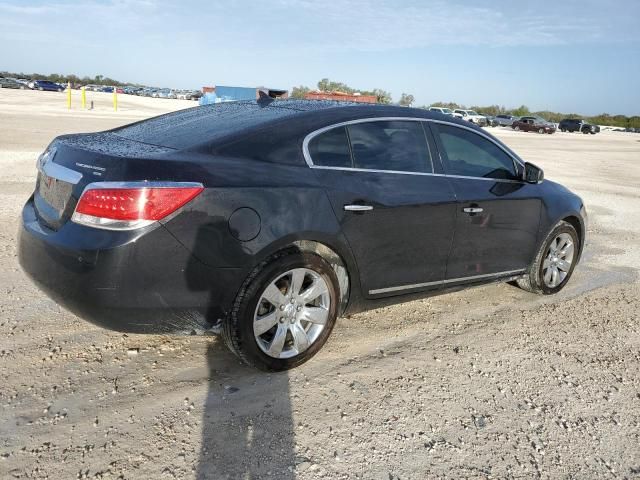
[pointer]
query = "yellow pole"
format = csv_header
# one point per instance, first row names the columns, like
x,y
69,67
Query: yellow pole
x,y
83,98
69,95
115,99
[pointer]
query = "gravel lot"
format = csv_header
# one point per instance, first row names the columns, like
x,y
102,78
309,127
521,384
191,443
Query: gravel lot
x,y
491,382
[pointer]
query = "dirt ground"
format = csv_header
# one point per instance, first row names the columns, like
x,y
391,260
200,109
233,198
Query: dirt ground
x,y
491,382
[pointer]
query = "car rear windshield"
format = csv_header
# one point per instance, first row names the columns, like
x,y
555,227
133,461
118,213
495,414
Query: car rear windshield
x,y
203,124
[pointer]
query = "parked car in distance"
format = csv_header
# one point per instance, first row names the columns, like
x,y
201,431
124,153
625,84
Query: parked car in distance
x,y
45,85
443,110
265,220
505,120
130,90
533,124
492,121
577,125
195,95
11,83
471,116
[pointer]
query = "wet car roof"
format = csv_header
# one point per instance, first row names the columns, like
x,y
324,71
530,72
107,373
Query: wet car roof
x,y
209,123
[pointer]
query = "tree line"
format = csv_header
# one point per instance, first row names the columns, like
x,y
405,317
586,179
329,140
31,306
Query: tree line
x,y
382,96
622,121
74,79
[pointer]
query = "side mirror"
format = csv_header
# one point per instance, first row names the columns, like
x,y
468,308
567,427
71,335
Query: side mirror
x,y
532,174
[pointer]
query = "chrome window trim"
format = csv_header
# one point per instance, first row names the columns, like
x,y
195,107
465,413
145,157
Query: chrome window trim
x,y
444,282
315,133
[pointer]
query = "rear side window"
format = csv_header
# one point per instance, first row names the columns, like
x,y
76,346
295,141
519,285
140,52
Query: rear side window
x,y
390,145
468,154
331,148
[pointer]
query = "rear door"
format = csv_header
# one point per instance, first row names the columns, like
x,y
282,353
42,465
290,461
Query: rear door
x,y
497,214
396,215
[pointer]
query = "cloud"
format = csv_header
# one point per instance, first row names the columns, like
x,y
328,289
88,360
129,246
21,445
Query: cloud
x,y
389,25
342,25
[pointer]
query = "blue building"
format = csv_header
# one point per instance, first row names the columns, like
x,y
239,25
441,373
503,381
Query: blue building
x,y
223,93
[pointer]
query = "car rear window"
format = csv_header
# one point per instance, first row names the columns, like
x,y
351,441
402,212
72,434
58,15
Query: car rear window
x,y
331,148
390,145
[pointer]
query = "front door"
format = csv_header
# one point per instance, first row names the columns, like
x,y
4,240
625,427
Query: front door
x,y
497,215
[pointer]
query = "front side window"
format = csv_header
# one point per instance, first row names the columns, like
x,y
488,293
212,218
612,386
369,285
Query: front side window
x,y
331,148
468,154
390,145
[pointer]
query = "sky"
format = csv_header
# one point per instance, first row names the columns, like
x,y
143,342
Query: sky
x,y
564,55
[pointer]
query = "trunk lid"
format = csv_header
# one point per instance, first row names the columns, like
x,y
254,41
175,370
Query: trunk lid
x,y
72,162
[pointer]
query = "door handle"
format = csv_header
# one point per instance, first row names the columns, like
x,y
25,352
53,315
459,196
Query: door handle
x,y
357,208
472,210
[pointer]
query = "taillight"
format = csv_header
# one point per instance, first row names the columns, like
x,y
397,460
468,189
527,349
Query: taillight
x,y
130,205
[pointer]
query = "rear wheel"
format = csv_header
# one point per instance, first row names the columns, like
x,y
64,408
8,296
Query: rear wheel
x,y
554,262
284,312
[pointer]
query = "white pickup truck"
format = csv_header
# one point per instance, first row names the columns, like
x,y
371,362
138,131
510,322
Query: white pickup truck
x,y
471,116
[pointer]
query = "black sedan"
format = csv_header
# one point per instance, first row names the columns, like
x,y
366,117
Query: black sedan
x,y
266,220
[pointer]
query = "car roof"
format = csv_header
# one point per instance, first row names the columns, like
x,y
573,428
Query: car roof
x,y
220,122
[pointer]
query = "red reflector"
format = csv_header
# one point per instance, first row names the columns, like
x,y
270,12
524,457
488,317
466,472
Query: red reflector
x,y
146,203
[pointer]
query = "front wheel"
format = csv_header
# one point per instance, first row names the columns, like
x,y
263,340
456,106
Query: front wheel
x,y
284,313
554,263
516,128
541,130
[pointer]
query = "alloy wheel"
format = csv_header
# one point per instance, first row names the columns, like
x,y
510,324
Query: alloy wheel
x,y
558,260
291,313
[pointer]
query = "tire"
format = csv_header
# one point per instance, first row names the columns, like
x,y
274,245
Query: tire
x,y
586,132
41,89
541,130
516,128
238,328
563,130
534,280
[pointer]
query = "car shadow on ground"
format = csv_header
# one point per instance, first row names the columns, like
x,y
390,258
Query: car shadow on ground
x,y
247,424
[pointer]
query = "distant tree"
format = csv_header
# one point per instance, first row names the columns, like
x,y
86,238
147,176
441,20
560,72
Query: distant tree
x,y
450,105
299,91
406,99
521,111
490,110
323,85
381,95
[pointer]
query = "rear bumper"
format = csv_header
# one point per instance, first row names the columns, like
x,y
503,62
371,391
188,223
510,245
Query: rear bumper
x,y
143,281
